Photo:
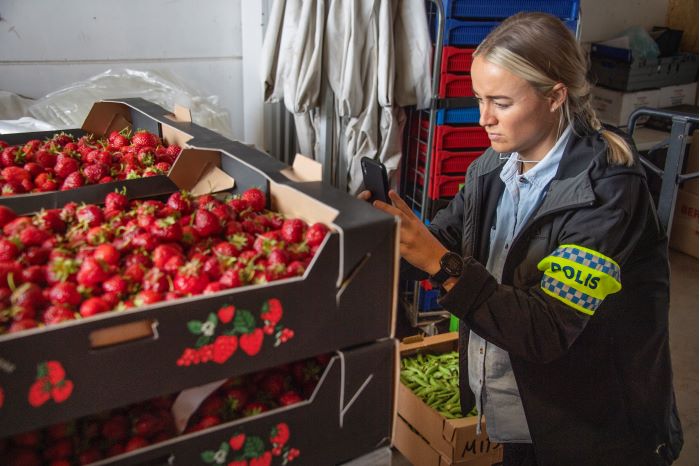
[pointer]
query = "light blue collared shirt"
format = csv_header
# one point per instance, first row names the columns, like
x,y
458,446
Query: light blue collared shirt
x,y
490,372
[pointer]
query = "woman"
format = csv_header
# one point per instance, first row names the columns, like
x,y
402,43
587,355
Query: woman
x,y
553,259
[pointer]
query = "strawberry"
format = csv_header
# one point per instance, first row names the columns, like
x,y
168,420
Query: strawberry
x,y
155,280
45,182
292,230
45,159
280,434
144,138
189,279
6,215
94,172
236,398
181,202
93,306
134,273
57,313
213,267
236,441
65,165
62,391
173,150
224,347
146,241
116,428
273,384
119,141
315,234
59,450
213,287
33,236
90,455
50,220
253,408
8,250
116,284
167,229
10,273
15,174
225,314
92,272
72,181
146,297
135,443
295,269
255,199
90,215
34,169
30,439
21,325
116,202
231,278
107,253
289,398
263,460
204,423
39,393
28,297
272,311
206,223
251,343
33,273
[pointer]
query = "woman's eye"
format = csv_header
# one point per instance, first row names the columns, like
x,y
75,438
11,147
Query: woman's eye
x,y
501,105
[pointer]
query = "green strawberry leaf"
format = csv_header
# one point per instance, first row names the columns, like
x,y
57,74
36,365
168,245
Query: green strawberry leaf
x,y
213,318
208,456
264,308
253,447
41,370
224,447
243,321
194,326
202,340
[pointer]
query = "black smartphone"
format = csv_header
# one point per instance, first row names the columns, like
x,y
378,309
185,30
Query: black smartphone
x,y
375,179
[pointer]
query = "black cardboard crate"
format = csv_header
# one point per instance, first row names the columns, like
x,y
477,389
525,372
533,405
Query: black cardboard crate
x,y
644,74
347,297
350,414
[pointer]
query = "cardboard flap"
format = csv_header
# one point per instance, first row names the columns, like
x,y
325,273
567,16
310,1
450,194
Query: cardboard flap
x,y
117,123
297,204
197,171
304,169
103,115
170,134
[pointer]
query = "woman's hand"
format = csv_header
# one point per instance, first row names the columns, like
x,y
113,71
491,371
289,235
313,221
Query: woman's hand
x,y
417,245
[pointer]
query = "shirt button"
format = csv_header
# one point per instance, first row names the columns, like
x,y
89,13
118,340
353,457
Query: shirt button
x,y
523,179
507,245
481,350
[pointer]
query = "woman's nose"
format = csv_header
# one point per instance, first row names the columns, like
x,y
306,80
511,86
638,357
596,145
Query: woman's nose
x,y
486,117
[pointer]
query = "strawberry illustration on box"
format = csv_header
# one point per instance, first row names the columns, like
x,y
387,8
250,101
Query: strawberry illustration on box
x,y
223,332
51,383
251,451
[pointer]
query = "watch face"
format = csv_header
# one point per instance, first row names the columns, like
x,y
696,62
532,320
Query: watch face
x,y
452,264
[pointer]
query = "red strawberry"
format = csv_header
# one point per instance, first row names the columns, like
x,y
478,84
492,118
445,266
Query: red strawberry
x,y
293,230
263,460
57,313
146,241
45,159
33,236
289,398
39,392
62,391
252,342
273,384
231,278
89,214
189,279
34,169
236,398
21,325
146,297
181,202
226,314
107,253
9,272
213,287
272,311
173,150
28,296
155,280
315,234
224,347
295,269
206,223
65,165
45,182
205,423
135,443
144,138
90,455
280,434
50,220
65,293
6,215
72,181
116,202
92,272
236,441
116,428
61,449
255,199
253,408
55,372
93,306
95,171
8,250
167,229
116,284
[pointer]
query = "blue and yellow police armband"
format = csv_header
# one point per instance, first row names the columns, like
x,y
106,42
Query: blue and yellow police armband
x,y
579,277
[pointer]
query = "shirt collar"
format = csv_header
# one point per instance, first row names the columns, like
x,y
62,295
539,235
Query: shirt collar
x,y
543,171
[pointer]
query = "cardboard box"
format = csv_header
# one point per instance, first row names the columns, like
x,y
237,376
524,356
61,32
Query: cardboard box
x,y
615,107
683,94
684,230
103,118
346,297
349,414
424,436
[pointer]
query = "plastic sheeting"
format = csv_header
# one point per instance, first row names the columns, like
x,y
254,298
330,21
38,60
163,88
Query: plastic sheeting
x,y
68,107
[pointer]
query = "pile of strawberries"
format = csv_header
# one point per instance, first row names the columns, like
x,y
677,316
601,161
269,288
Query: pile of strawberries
x,y
83,260
92,438
65,162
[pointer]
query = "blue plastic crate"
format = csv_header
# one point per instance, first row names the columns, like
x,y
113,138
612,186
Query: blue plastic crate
x,y
563,9
473,32
458,116
427,299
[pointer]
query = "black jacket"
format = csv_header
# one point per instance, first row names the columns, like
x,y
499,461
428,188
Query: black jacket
x,y
596,389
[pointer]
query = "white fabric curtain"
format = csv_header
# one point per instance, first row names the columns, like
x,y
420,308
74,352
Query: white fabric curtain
x,y
375,56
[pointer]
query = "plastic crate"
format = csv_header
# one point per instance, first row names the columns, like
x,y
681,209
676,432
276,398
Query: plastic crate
x,y
473,32
563,9
460,137
441,186
645,74
457,116
456,85
456,60
446,162
427,297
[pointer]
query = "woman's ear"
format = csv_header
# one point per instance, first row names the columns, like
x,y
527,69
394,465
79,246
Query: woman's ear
x,y
557,97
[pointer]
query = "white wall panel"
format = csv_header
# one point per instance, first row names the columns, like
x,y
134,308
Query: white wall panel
x,y
603,19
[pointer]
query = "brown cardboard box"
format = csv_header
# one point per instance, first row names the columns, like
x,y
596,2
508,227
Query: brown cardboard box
x,y
684,231
425,437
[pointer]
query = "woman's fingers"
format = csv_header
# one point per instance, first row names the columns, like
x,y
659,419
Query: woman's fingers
x,y
400,203
364,195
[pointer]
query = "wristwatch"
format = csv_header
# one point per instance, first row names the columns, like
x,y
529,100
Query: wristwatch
x,y
451,265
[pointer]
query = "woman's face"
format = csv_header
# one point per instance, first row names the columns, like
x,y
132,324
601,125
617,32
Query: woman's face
x,y
516,117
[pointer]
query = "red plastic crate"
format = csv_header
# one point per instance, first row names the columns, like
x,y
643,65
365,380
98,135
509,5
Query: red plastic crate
x,y
441,186
456,60
449,162
456,85
459,137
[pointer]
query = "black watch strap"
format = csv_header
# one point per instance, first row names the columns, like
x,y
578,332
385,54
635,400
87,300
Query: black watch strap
x,y
451,265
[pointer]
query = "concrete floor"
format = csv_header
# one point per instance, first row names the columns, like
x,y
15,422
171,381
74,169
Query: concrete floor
x,y
684,349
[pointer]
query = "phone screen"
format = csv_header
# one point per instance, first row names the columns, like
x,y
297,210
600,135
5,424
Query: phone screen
x,y
375,179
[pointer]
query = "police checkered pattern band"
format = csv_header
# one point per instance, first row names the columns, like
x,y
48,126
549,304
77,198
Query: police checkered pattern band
x,y
570,294
589,260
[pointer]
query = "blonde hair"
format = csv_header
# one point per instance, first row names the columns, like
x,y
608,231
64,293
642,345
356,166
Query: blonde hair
x,y
540,49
